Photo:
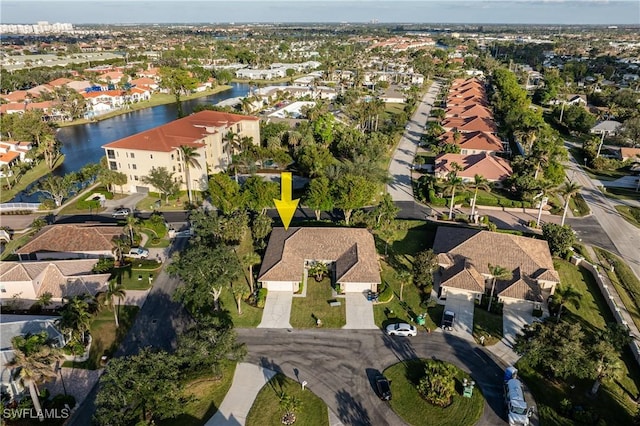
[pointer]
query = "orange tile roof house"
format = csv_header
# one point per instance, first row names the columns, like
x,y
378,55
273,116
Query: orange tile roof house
x,y
70,242
205,131
474,142
465,255
470,124
62,279
491,167
351,252
475,110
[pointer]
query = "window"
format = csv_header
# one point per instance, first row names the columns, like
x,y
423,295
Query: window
x,y
111,154
133,155
135,177
134,167
172,156
151,156
113,165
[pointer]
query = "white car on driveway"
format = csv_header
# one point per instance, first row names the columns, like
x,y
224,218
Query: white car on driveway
x,y
138,253
121,212
401,329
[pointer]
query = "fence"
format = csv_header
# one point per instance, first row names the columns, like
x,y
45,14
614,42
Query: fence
x,y
610,296
11,207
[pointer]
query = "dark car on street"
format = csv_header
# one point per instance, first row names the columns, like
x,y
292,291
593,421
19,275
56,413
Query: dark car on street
x,y
383,387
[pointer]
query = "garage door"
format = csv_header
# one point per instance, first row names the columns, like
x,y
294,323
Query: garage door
x,y
356,287
462,304
142,189
279,285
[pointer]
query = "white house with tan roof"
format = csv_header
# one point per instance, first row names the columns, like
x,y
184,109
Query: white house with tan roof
x,y
27,281
204,131
350,252
465,256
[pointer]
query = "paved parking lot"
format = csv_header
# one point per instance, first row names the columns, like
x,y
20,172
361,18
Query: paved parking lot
x,y
462,305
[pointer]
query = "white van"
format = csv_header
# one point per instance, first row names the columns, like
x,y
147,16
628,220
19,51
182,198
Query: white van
x,y
517,410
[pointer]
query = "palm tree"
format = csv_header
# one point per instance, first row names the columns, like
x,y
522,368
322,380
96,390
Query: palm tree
x,y
250,260
189,159
479,182
114,291
497,273
35,359
452,183
289,404
44,299
319,270
121,245
564,295
133,224
568,190
76,315
405,276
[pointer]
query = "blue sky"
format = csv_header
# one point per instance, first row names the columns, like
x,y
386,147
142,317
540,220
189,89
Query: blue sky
x,y
599,12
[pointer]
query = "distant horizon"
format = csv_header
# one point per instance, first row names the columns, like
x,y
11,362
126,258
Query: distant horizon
x,y
384,12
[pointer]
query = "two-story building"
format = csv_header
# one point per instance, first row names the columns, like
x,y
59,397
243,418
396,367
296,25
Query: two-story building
x,y
206,132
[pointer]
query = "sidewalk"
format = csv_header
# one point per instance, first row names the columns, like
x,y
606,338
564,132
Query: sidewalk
x,y
247,382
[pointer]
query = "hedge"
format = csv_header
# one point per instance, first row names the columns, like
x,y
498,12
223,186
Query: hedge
x,y
436,201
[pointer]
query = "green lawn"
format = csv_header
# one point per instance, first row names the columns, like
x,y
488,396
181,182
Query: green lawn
x,y
135,276
15,244
28,178
414,410
106,337
204,395
266,410
488,325
148,203
161,242
578,206
622,193
615,401
624,280
605,174
630,214
305,310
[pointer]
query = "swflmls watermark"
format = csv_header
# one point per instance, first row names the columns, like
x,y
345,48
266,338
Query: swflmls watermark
x,y
32,413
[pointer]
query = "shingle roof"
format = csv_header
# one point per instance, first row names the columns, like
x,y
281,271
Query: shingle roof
x,y
71,238
463,275
520,287
482,248
189,130
352,249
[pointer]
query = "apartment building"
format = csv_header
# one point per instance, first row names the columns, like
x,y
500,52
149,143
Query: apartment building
x,y
204,131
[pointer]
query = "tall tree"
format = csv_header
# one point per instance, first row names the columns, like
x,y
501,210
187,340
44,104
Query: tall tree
x,y
114,291
479,182
497,273
559,237
386,211
353,192
121,245
179,82
142,388
225,193
35,358
75,316
162,180
250,260
318,196
259,194
568,190
606,364
189,157
56,187
566,294
452,183
424,264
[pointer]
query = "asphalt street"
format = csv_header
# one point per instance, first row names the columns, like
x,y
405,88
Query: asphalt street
x,y
339,366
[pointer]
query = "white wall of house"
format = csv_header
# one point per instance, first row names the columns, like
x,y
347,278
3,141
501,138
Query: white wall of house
x,y
292,286
10,288
358,287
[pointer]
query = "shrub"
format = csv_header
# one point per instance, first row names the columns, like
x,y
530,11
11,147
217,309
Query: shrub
x,y
262,298
47,204
436,201
438,385
104,264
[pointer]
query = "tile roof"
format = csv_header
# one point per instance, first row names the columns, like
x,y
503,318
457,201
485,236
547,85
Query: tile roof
x,y
474,140
491,167
464,276
353,250
185,131
482,248
520,287
475,110
7,157
71,238
470,124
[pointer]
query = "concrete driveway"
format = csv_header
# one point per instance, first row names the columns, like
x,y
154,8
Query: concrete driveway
x,y
277,310
359,312
462,305
247,382
514,317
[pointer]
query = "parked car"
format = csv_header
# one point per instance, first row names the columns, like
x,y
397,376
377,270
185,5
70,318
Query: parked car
x,y
138,253
383,387
121,212
447,320
401,329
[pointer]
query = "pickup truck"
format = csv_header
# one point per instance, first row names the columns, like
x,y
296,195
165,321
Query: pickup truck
x,y
138,253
